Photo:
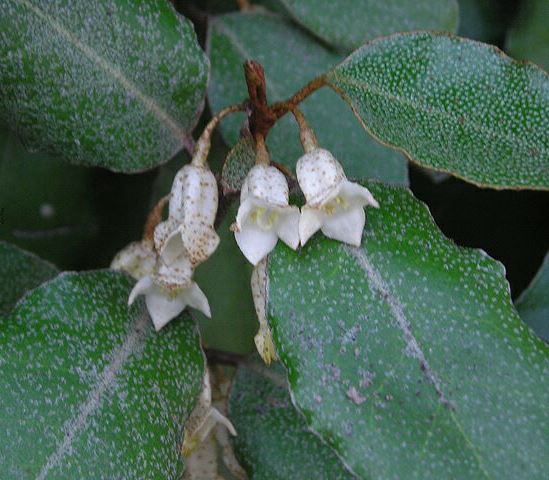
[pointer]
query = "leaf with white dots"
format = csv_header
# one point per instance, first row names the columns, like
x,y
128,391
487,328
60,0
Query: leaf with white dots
x,y
454,105
89,389
20,272
273,441
533,303
348,24
406,355
117,84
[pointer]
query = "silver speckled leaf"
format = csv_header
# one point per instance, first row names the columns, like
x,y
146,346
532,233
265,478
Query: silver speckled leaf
x,y
407,356
88,389
20,271
117,84
454,105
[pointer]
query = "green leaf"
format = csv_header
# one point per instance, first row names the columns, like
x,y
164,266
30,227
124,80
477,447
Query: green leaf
x,y
238,163
529,38
453,105
20,271
225,279
89,389
273,441
46,206
117,84
350,23
406,355
291,58
533,303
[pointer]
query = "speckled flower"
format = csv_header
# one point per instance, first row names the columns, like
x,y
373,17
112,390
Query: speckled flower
x,y
138,259
169,290
189,228
264,214
334,204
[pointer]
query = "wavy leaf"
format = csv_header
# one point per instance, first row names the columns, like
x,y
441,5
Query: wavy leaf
x,y
406,355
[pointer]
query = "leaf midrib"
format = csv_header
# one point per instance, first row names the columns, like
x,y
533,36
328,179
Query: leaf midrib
x,y
110,70
427,109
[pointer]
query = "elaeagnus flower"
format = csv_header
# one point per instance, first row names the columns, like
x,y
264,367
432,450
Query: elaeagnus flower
x,y
334,204
264,214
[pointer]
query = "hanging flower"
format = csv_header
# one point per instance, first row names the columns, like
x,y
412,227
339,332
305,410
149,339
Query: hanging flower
x,y
169,291
192,211
264,214
334,204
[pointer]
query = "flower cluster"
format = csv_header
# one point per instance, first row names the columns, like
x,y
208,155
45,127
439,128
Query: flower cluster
x,y
164,268
333,205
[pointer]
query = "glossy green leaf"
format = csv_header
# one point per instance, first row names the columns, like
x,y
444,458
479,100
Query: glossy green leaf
x,y
117,84
291,58
273,442
406,355
88,388
452,105
20,272
533,303
238,163
46,206
529,39
349,23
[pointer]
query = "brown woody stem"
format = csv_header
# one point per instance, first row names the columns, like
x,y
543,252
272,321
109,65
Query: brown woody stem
x,y
154,218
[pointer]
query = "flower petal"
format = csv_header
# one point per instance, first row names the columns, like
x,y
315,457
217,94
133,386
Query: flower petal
x,y
287,227
310,222
195,298
163,232
164,307
199,240
244,210
345,225
143,286
356,194
254,242
175,274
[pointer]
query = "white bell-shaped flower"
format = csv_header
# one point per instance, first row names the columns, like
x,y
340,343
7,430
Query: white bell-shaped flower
x,y
192,211
169,291
334,204
264,214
